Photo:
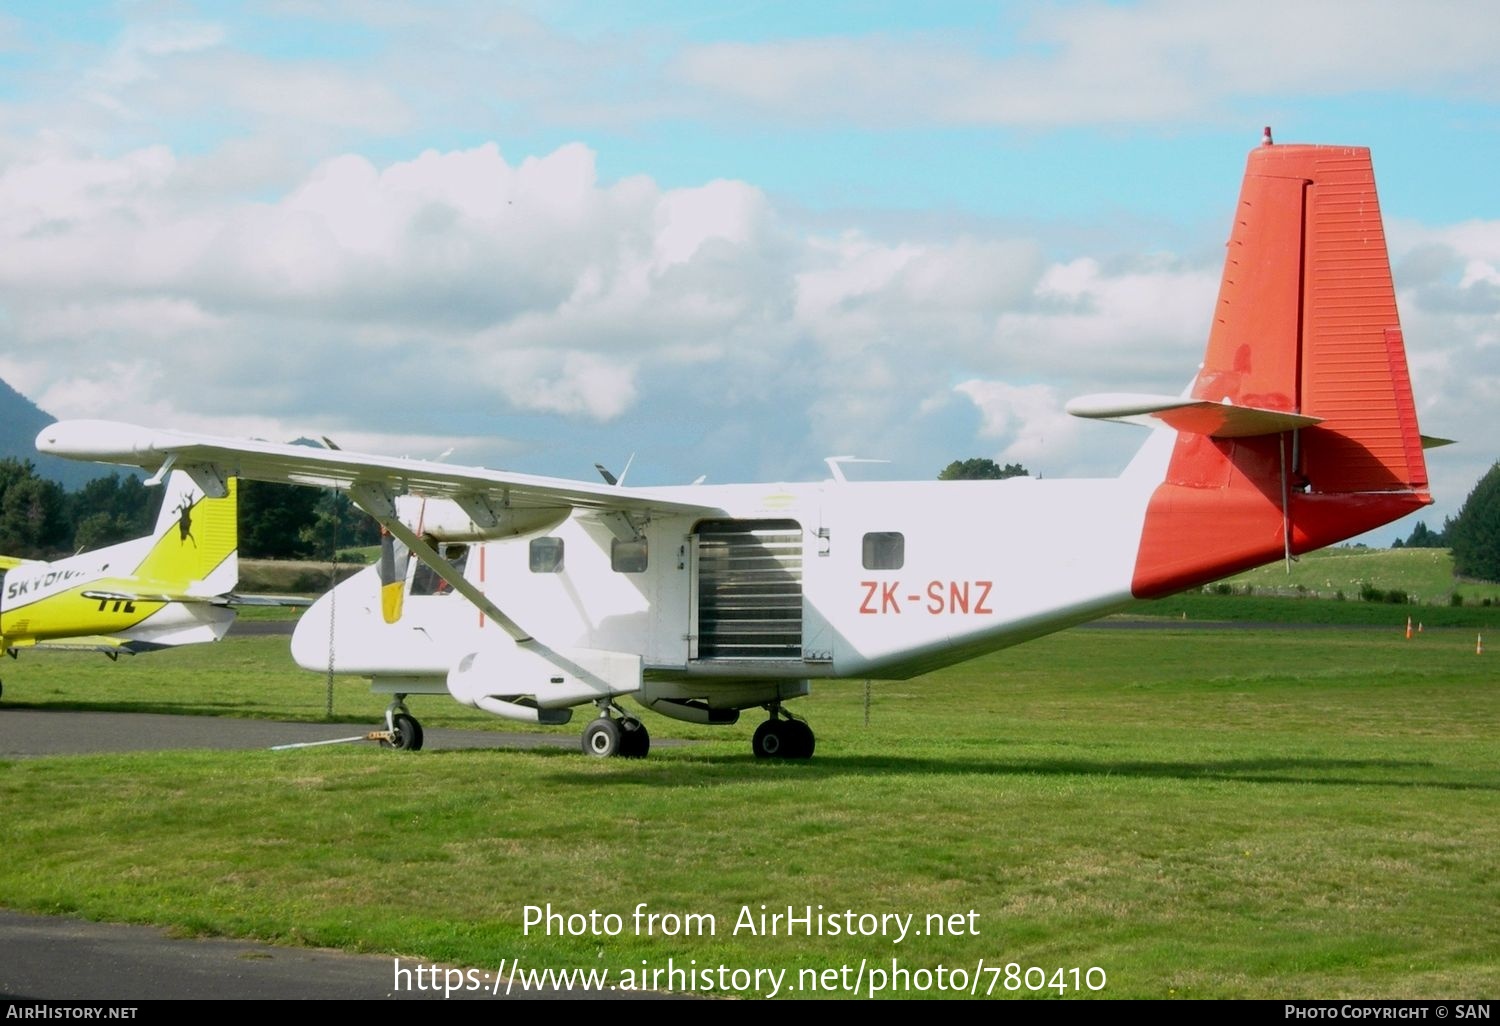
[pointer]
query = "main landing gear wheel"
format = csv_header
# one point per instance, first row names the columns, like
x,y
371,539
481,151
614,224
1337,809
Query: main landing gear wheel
x,y
799,736
783,739
635,740
626,737
602,737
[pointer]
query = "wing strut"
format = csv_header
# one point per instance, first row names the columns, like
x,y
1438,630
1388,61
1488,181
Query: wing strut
x,y
381,505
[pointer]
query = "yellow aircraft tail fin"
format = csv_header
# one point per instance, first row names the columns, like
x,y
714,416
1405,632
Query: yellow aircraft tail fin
x,y
197,538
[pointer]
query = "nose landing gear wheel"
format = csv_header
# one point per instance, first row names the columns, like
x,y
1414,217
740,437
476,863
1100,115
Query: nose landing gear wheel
x,y
406,733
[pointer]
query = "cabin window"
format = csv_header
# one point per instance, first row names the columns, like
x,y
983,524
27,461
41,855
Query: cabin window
x,y
546,555
884,550
628,557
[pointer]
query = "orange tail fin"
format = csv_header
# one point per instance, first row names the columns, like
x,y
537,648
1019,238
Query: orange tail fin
x,y
1305,323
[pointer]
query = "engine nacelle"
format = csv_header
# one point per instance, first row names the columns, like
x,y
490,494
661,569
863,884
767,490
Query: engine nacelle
x,y
474,520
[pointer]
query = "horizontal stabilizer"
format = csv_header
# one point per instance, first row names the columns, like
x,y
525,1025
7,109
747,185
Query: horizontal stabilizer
x,y
100,595
85,643
1196,416
239,598
101,643
232,598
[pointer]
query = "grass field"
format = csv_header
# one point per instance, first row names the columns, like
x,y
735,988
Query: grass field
x,y
1198,813
1426,575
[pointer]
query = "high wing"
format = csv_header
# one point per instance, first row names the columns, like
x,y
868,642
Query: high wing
x,y
497,503
489,493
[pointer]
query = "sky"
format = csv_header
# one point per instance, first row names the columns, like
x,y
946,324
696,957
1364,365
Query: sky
x,y
708,239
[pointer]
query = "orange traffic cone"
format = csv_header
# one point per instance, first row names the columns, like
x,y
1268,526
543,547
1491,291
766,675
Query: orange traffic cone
x,y
1408,628
1479,644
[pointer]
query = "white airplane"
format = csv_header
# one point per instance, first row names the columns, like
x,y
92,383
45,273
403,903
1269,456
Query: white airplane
x,y
532,595
171,587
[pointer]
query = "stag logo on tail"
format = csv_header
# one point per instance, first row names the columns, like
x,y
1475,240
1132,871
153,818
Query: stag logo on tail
x,y
185,520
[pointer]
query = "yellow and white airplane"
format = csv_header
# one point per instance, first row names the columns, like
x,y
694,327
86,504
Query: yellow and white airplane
x,y
531,595
174,586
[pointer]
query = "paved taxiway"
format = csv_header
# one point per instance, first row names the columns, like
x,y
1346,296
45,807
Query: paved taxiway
x,y
29,732
59,958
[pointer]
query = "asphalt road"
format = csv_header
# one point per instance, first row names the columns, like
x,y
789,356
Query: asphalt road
x,y
64,959
31,732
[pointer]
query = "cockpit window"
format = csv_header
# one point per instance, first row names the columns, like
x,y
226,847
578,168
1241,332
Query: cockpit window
x,y
425,580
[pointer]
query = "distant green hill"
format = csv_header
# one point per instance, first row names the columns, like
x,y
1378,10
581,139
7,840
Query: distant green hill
x,y
20,421
1426,575
1375,587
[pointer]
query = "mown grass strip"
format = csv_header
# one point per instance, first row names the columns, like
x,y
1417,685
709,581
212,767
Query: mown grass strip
x,y
1202,813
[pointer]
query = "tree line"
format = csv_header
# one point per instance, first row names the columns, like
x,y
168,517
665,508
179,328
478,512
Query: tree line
x,y
1473,534
38,520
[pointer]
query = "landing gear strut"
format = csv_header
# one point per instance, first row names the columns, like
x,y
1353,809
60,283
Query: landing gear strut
x,y
782,737
405,731
621,735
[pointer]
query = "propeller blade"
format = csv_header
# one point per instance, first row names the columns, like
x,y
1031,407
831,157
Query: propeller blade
x,y
394,559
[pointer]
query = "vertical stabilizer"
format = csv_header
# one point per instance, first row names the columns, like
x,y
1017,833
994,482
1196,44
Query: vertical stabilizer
x,y
1305,323
196,539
